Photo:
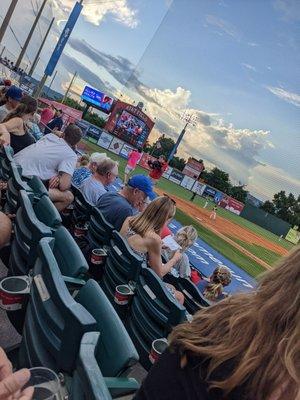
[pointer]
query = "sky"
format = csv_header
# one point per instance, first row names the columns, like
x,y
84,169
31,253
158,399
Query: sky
x,y
232,64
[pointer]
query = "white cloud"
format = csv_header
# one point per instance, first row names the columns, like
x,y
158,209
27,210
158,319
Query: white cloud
x,y
249,66
223,25
174,100
289,8
252,44
289,97
95,12
266,180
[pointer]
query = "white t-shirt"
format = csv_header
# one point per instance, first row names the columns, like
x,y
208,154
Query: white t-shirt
x,y
47,157
92,190
3,112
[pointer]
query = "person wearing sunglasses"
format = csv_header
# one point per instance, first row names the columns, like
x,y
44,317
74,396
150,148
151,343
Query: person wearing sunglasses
x,y
142,233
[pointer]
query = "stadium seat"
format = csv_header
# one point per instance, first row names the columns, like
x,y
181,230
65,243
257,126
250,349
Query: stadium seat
x,y
55,322
115,352
193,299
122,266
82,209
47,212
100,231
17,183
88,382
67,254
153,313
6,157
29,229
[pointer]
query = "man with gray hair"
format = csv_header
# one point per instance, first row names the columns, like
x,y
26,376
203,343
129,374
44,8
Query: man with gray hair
x,y
82,173
93,187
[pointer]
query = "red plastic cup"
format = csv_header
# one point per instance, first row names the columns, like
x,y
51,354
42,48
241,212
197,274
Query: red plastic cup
x,y
14,291
98,256
80,230
157,348
123,295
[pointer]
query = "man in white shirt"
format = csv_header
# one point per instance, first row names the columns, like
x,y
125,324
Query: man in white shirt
x,y
93,187
53,160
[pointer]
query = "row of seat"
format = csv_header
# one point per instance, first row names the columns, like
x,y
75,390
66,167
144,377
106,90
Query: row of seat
x,y
76,332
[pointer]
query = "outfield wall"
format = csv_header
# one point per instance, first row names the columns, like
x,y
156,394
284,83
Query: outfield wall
x,y
265,220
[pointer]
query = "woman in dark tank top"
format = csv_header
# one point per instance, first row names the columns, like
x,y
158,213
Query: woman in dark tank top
x,y
245,347
13,126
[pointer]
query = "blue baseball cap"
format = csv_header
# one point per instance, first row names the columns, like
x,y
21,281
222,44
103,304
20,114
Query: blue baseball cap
x,y
142,183
14,93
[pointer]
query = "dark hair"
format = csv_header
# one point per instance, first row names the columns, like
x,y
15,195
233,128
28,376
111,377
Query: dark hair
x,y
28,105
72,134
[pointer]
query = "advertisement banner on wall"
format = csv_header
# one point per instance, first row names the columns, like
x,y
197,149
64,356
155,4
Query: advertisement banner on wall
x,y
198,188
105,140
210,191
293,236
176,176
144,160
126,149
187,182
218,197
167,172
231,204
116,145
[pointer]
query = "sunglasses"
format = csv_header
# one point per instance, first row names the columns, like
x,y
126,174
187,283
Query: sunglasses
x,y
172,200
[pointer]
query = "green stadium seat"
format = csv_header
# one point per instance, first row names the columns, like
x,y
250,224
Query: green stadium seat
x,y
28,231
82,209
67,254
122,266
6,157
153,314
115,352
47,212
194,300
88,382
100,230
55,322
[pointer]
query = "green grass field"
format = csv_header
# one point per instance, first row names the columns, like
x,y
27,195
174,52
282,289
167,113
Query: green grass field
x,y
209,237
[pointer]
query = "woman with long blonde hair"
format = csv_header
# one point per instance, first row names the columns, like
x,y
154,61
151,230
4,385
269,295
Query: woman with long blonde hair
x,y
143,235
246,347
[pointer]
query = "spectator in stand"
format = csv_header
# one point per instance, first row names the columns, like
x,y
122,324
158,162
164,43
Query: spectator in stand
x,y
245,348
83,172
212,289
143,236
185,237
47,114
12,383
133,158
33,127
5,229
53,160
93,187
14,128
116,207
11,100
158,167
55,124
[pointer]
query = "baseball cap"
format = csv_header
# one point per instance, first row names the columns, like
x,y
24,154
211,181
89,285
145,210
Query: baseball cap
x,y
142,183
14,93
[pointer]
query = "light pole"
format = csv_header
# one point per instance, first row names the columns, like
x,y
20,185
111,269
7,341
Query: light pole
x,y
7,18
27,41
189,119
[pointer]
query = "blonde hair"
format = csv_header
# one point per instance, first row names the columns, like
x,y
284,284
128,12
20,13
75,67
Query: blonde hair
x,y
84,160
186,237
255,334
220,277
154,216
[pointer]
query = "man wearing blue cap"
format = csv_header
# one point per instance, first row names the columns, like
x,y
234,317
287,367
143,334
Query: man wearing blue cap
x,y
13,97
116,207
